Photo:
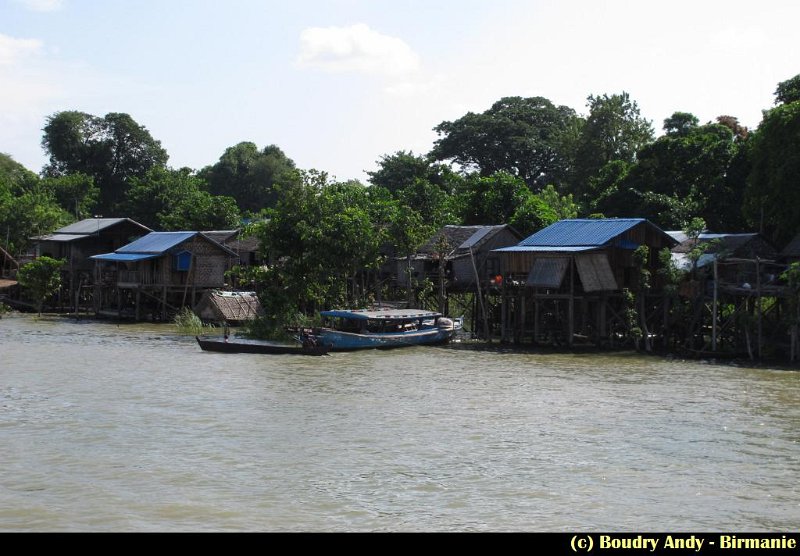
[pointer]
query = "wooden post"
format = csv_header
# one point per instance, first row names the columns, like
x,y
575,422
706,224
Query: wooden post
x,y
714,309
522,311
138,299
758,300
571,304
535,317
480,298
603,332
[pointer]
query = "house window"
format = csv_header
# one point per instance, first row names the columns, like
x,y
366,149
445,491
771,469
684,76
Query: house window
x,y
183,261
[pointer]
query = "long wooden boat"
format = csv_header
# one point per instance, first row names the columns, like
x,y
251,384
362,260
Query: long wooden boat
x,y
257,346
388,328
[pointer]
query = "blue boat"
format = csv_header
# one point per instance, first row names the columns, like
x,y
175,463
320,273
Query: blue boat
x,y
387,328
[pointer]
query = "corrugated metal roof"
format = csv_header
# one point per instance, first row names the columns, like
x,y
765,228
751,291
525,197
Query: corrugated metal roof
x,y
93,225
123,257
581,232
156,242
476,237
221,236
62,238
544,249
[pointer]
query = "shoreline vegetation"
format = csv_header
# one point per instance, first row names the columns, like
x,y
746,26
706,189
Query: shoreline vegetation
x,y
524,161
188,327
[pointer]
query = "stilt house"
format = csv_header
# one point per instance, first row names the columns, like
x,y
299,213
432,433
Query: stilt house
x,y
161,272
565,282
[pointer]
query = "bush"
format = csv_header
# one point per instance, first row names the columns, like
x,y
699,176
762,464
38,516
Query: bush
x,y
189,323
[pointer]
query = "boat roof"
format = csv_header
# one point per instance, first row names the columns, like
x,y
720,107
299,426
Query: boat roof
x,y
381,314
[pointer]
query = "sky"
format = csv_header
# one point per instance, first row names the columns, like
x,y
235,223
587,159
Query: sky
x,y
338,84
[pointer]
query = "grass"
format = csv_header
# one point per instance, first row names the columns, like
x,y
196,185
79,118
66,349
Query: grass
x,y
189,323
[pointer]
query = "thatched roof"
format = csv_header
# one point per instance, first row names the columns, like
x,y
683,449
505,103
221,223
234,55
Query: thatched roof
x,y
231,307
233,240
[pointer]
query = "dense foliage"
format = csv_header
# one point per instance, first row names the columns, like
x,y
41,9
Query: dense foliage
x,y
524,161
40,279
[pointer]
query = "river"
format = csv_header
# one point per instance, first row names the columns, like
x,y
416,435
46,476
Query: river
x,y
134,428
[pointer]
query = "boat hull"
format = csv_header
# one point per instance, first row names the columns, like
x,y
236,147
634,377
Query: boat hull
x,y
238,346
337,340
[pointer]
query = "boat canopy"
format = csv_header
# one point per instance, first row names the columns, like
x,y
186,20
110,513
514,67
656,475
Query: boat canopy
x,y
386,314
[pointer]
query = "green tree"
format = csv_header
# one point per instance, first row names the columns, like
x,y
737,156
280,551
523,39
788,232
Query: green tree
x,y
684,173
542,209
680,124
14,177
41,278
248,175
401,170
533,215
788,91
614,130
526,137
27,207
75,193
434,206
112,150
492,199
772,198
177,200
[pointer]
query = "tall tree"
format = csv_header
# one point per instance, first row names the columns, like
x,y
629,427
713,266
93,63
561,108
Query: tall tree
x,y
112,150
402,169
169,199
75,193
248,175
614,130
492,199
788,91
525,137
772,199
681,175
28,208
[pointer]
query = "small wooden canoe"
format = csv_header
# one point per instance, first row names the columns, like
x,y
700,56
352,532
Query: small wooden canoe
x,y
257,346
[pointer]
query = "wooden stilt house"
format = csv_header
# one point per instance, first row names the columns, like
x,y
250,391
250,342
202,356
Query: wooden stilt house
x,y
160,273
565,283
77,243
459,255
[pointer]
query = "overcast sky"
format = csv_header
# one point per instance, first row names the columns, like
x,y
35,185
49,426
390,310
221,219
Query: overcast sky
x,y
337,84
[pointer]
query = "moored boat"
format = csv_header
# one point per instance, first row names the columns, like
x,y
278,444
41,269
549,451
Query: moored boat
x,y
387,328
257,346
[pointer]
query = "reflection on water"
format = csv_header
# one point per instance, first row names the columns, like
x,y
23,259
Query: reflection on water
x,y
132,427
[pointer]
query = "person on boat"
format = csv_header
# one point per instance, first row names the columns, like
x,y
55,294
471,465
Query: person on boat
x,y
309,340
226,333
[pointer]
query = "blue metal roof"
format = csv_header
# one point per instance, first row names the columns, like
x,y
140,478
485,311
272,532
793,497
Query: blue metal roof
x,y
124,257
156,242
581,232
544,249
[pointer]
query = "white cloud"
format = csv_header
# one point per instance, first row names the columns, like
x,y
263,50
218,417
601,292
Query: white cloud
x,y
355,49
12,50
42,5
